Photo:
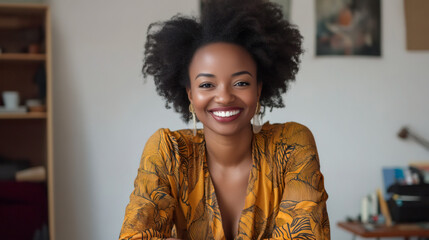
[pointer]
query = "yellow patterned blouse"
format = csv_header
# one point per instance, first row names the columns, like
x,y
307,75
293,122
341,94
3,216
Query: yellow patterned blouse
x,y
174,195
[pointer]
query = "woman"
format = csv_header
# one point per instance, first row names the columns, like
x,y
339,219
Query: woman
x,y
229,180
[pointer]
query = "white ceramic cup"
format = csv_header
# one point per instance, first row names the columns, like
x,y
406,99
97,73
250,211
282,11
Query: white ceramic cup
x,y
11,99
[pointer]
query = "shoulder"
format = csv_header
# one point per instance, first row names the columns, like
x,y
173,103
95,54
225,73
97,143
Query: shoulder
x,y
165,148
287,147
295,148
291,133
164,138
167,143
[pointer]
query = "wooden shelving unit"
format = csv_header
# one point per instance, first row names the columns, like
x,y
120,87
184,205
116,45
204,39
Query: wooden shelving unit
x,y
27,136
30,115
22,57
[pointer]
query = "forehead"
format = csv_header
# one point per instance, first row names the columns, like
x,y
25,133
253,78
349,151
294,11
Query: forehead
x,y
221,57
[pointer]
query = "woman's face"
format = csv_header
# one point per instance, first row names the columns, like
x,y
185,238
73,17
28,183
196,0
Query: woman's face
x,y
223,88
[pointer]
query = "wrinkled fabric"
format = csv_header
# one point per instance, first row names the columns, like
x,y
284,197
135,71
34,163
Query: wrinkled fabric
x,y
174,195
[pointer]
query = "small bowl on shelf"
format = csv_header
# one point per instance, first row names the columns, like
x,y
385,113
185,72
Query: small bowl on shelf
x,y
35,105
41,108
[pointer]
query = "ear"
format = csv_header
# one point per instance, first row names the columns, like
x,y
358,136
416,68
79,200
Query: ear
x,y
189,92
259,89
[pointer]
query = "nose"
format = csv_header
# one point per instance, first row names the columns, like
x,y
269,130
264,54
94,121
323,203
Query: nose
x,y
225,95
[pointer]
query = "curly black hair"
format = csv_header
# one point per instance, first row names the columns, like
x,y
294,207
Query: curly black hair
x,y
256,25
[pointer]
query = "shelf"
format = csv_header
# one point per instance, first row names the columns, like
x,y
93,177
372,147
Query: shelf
x,y
30,115
22,57
23,8
27,135
16,16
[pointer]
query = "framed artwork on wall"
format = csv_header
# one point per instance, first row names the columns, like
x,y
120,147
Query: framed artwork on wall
x,y
348,27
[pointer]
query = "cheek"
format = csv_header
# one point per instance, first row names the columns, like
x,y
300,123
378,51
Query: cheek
x,y
250,97
251,100
200,100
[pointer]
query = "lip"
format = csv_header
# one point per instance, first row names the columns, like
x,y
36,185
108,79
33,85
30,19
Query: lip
x,y
225,119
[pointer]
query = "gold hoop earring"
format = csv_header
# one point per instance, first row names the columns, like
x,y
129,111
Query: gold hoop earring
x,y
257,119
192,110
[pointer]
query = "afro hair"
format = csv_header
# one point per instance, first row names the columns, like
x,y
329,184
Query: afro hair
x,y
256,25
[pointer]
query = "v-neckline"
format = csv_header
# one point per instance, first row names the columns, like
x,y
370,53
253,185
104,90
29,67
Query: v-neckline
x,y
250,183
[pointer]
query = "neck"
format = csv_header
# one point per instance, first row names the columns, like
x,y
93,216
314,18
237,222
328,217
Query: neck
x,y
231,150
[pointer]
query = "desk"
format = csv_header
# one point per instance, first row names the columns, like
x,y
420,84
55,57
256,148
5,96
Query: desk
x,y
397,230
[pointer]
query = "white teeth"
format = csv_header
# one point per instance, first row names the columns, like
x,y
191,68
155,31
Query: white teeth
x,y
226,113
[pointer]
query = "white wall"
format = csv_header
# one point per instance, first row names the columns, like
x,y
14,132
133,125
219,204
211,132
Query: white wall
x,y
104,112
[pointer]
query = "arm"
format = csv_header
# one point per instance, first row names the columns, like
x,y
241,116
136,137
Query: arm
x,y
149,214
302,213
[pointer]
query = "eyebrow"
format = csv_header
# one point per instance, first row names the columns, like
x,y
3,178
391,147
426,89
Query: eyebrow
x,y
232,75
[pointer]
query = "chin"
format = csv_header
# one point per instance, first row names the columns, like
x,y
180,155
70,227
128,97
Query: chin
x,y
227,129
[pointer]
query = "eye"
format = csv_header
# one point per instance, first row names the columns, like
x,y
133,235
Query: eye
x,y
205,85
241,84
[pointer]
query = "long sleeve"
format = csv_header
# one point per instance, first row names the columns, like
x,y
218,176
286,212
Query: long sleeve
x,y
149,214
302,213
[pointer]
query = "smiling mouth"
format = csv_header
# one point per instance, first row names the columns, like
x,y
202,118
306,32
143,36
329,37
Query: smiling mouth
x,y
225,114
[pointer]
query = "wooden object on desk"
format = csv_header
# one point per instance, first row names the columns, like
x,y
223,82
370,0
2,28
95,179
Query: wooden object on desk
x,y
397,230
384,208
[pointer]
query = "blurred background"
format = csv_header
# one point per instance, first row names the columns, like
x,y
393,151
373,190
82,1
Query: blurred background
x,y
104,111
